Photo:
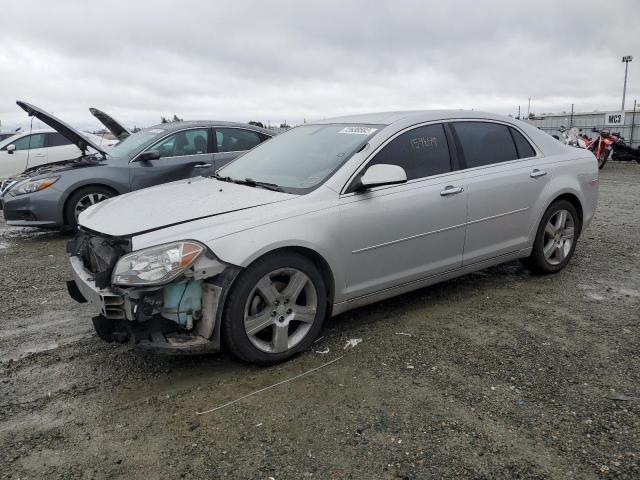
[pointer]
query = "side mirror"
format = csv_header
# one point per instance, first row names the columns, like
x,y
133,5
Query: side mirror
x,y
11,148
382,174
148,155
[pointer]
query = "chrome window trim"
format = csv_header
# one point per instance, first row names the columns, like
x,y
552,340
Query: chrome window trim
x,y
433,122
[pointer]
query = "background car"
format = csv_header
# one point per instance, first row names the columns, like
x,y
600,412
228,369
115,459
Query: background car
x,y
325,218
37,147
54,195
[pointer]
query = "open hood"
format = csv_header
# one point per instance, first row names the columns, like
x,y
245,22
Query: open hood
x,y
116,128
73,135
172,204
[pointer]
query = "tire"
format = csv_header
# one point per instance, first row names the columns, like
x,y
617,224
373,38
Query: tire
x,y
602,159
540,261
265,292
93,194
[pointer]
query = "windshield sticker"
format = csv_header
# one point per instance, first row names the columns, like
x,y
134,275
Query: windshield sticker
x,y
423,142
156,130
358,130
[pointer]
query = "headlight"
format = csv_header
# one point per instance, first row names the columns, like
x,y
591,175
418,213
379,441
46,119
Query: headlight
x,y
156,265
30,186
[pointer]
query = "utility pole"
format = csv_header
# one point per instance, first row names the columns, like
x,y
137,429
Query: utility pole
x,y
626,59
518,112
571,117
529,108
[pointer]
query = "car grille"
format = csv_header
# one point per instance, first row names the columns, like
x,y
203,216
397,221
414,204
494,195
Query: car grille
x,y
99,254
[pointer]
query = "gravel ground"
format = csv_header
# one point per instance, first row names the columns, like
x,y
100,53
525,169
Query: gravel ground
x,y
503,375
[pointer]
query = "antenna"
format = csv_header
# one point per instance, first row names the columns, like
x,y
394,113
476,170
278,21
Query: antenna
x,y
29,145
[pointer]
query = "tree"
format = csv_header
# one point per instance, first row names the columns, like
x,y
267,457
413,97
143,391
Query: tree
x,y
284,125
256,124
164,120
176,118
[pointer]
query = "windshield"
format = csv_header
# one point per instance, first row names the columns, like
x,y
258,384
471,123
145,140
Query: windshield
x,y
131,144
302,158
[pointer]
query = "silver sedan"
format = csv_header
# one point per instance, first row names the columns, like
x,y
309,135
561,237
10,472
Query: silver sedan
x,y
325,218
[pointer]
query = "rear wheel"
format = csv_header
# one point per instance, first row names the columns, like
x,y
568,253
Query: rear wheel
x,y
82,199
275,309
555,239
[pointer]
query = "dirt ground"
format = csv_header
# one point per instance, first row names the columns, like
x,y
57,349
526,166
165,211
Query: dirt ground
x,y
504,375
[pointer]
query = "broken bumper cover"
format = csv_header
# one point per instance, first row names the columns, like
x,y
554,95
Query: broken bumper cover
x,y
117,318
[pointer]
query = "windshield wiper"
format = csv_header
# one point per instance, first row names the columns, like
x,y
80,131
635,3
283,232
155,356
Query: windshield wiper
x,y
250,182
221,178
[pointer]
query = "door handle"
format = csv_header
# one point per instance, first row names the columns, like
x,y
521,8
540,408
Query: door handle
x,y
537,173
39,155
451,190
202,165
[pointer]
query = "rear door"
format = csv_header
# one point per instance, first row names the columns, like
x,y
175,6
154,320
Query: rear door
x,y
60,148
231,142
400,233
183,154
504,178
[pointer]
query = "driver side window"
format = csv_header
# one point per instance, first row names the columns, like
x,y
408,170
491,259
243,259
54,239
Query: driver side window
x,y
421,152
188,142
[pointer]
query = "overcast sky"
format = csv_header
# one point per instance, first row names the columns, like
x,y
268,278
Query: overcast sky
x,y
276,61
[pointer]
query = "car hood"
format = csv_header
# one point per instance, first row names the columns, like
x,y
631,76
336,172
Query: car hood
x,y
57,167
116,128
172,204
73,135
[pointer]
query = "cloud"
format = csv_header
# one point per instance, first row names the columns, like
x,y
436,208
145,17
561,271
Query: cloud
x,y
276,61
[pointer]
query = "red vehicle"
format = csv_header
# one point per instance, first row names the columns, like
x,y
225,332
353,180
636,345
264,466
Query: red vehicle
x,y
602,144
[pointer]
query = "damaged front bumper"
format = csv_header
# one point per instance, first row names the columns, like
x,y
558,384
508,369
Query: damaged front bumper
x,y
150,317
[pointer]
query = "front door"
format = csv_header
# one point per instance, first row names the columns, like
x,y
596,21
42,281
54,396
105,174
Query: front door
x,y
183,154
396,234
30,151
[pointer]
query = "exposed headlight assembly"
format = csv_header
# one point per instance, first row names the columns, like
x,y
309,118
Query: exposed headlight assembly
x,y
156,265
31,186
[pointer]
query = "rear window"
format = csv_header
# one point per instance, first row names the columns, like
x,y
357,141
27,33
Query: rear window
x,y
57,140
485,143
525,150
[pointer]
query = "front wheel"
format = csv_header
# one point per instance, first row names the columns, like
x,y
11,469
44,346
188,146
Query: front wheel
x,y
275,309
555,239
82,199
602,158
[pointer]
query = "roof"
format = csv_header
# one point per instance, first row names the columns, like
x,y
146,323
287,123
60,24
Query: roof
x,y
388,118
35,130
171,126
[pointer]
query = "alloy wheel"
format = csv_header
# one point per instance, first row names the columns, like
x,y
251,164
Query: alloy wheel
x,y
280,310
558,237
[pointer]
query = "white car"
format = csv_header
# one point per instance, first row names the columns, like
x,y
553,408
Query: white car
x,y
33,148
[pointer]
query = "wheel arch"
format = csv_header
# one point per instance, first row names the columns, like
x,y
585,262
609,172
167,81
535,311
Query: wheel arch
x,y
574,200
315,257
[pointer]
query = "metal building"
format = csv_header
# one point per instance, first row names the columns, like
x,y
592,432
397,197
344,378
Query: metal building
x,y
628,124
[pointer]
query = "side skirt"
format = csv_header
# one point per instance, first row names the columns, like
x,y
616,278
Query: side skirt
x,y
363,300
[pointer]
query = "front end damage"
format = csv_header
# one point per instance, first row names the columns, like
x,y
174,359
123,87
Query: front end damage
x,y
182,316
